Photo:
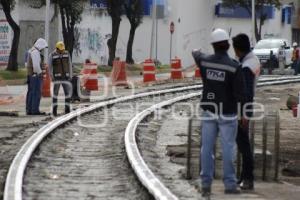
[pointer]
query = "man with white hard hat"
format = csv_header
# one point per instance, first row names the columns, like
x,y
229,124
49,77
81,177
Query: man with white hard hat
x,y
223,89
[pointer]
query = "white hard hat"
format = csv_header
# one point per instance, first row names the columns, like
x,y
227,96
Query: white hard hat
x,y
219,35
295,44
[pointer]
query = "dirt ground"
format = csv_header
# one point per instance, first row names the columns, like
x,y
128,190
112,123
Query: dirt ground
x,y
14,133
275,98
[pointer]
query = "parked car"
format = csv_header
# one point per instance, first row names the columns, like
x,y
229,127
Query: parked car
x,y
281,49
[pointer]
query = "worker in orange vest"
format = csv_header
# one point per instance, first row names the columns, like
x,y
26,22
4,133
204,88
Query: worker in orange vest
x,y
60,69
295,58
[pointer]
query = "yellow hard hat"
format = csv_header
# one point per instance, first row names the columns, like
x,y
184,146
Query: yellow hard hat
x,y
60,45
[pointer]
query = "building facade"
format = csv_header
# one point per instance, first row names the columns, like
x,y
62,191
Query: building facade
x,y
194,20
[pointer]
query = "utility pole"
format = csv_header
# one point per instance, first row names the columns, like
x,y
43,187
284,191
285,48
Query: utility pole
x,y
47,24
253,23
153,27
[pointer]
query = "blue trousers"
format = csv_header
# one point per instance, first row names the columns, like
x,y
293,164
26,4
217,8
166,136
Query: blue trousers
x,y
295,66
227,128
34,93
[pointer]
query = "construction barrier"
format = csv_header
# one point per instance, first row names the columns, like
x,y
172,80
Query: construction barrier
x,y
176,72
149,71
90,76
197,72
46,83
118,74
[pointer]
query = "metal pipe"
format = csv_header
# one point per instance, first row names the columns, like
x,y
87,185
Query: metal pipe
x,y
171,41
264,149
156,40
153,28
277,145
189,146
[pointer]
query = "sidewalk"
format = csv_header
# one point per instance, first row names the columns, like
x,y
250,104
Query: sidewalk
x,y
12,98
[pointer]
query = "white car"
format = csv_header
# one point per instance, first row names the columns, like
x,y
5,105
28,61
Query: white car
x,y
280,47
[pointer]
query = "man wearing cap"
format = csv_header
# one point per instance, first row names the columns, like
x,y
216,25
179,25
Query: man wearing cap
x,y
60,69
35,68
223,89
251,71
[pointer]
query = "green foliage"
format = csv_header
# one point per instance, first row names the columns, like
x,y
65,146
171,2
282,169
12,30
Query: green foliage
x,y
10,3
247,3
74,7
12,75
134,11
115,8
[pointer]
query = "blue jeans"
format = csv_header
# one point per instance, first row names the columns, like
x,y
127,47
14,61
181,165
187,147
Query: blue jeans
x,y
295,66
211,126
34,94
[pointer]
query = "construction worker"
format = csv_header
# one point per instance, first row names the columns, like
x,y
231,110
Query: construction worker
x,y
295,58
35,69
60,69
223,88
251,70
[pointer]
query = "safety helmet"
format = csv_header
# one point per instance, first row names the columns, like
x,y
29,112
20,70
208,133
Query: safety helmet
x,y
219,35
295,44
60,45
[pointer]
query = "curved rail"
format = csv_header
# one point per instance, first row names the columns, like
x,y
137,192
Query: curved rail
x,y
145,175
14,180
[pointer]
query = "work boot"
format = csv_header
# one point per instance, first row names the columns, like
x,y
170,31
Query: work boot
x,y
232,191
247,185
205,192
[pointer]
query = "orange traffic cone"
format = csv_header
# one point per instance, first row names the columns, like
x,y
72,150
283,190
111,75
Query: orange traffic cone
x,y
46,83
176,72
118,74
149,71
90,76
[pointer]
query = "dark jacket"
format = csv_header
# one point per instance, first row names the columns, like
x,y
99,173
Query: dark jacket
x,y
223,82
251,70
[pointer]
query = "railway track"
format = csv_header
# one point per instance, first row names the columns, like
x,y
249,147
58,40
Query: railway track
x,y
84,158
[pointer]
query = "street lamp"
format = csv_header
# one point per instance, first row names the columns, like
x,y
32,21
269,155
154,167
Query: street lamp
x,y
47,24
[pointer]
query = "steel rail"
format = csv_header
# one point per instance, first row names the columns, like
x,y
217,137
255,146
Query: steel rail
x,y
14,179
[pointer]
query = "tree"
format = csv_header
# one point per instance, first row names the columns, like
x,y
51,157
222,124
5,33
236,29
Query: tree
x,y
134,13
114,8
259,4
70,12
7,6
